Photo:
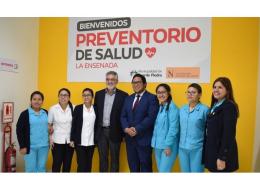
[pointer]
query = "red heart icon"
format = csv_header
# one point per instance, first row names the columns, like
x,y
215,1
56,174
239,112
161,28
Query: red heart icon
x,y
150,52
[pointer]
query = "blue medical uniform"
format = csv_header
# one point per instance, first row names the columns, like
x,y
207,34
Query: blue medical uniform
x,y
192,128
166,135
36,160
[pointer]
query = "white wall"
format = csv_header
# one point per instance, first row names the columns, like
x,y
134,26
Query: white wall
x,y
18,41
256,161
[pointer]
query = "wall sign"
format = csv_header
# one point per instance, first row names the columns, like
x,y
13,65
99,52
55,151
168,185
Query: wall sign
x,y
162,49
7,112
8,65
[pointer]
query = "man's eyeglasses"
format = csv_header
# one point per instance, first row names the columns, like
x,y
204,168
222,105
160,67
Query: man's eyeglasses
x,y
137,82
112,80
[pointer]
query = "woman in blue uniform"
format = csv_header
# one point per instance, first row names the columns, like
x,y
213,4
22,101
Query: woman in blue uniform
x,y
193,117
166,131
32,134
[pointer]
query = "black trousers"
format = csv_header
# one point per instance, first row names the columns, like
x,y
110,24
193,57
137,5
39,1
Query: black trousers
x,y
62,156
106,146
84,157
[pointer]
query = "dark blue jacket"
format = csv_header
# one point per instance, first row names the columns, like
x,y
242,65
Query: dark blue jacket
x,y
142,118
115,132
220,138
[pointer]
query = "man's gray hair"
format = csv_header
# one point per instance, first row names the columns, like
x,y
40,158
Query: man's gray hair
x,y
112,73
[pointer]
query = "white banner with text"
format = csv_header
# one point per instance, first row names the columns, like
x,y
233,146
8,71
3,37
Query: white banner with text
x,y
162,49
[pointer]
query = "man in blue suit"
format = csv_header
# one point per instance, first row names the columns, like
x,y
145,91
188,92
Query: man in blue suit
x,y
137,118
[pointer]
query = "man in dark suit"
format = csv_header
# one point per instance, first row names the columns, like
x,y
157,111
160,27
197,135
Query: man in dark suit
x,y
109,103
137,119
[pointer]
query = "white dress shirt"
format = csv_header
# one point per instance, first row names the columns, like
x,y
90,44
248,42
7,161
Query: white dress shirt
x,y
61,121
87,133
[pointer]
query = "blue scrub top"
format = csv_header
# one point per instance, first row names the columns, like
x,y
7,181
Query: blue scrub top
x,y
39,136
166,129
192,126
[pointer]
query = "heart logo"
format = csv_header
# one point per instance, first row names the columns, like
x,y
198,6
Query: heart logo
x,y
150,52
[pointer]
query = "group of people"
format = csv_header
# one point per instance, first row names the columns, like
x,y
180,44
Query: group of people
x,y
200,136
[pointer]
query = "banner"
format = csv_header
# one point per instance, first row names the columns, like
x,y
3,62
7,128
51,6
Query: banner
x,y
8,65
162,49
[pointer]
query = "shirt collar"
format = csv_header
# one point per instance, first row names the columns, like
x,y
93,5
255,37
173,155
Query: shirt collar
x,y
197,107
140,94
163,107
67,108
113,92
216,105
220,102
85,108
31,111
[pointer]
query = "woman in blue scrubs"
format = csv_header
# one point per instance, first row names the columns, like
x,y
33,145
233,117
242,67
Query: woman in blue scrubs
x,y
192,127
166,130
33,136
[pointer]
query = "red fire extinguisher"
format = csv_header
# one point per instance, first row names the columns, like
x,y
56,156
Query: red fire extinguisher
x,y
9,158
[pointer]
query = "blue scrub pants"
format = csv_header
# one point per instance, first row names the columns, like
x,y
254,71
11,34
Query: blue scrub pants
x,y
191,160
165,163
36,160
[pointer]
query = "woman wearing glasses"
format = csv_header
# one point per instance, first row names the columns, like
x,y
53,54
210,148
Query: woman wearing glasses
x,y
83,130
166,130
60,120
192,127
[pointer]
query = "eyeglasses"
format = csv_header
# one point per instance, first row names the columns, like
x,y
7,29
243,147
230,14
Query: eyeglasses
x,y
190,92
161,92
137,82
64,95
86,95
112,80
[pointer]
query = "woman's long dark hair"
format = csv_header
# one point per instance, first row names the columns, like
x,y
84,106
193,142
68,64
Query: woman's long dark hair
x,y
70,104
230,95
168,89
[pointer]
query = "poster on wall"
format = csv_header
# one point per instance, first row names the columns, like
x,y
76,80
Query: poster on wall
x,y
7,112
162,49
8,65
